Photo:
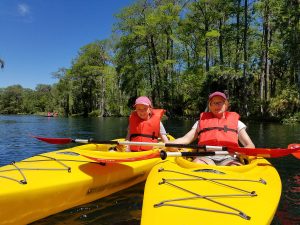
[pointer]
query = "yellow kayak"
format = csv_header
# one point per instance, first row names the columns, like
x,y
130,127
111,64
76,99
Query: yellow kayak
x,y
182,192
48,183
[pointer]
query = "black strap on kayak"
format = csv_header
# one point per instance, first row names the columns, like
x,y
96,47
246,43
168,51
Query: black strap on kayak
x,y
225,129
153,137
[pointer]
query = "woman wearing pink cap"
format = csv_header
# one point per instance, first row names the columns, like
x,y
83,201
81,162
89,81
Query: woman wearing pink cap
x,y
145,124
218,127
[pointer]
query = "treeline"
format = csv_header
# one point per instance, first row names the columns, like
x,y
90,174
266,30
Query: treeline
x,y
177,52
18,100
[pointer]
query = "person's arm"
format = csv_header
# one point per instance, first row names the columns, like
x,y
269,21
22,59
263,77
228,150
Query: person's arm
x,y
245,139
164,138
163,133
187,138
127,138
124,148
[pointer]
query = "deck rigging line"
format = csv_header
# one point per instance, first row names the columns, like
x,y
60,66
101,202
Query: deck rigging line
x,y
217,181
46,158
214,180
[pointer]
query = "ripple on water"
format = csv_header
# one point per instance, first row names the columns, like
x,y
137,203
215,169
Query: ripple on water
x,y
126,203
16,143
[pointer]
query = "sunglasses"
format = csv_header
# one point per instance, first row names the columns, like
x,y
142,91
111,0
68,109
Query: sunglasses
x,y
217,103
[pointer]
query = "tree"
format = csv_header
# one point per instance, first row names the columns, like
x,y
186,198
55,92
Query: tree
x,y
179,51
86,75
62,91
1,64
11,100
43,98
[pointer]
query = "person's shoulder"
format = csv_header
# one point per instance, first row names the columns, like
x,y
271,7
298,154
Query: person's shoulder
x,y
241,123
195,126
241,126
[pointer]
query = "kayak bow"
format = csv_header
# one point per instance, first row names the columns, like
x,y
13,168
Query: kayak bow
x,y
51,182
189,193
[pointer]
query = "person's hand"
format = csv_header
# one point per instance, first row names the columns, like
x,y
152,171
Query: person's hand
x,y
172,149
122,148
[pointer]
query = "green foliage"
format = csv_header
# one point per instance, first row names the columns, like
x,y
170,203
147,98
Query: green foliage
x,y
15,99
292,119
286,103
11,98
94,113
212,34
177,52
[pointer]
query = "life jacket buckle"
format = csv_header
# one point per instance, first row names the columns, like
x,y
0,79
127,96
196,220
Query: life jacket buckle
x,y
226,128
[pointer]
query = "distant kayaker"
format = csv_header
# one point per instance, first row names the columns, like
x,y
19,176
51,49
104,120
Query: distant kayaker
x,y
145,124
218,127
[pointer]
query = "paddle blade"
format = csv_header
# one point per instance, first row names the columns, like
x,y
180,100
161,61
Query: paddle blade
x,y
263,152
58,141
120,160
295,146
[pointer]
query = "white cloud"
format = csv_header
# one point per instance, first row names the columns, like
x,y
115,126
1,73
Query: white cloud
x,y
23,9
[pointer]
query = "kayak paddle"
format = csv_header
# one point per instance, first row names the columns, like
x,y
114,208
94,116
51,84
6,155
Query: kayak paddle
x,y
159,154
296,153
259,152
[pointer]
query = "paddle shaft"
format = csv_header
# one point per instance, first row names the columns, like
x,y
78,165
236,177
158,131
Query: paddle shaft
x,y
164,154
156,144
259,152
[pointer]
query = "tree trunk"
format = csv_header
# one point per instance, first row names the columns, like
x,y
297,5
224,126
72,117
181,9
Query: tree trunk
x,y
295,37
265,75
156,70
237,49
221,43
206,49
102,97
267,61
67,105
245,56
206,40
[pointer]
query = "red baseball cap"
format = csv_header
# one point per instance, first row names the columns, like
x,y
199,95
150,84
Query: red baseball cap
x,y
217,93
143,100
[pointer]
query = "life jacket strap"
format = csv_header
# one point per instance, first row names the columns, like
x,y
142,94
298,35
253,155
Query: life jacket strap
x,y
225,129
153,137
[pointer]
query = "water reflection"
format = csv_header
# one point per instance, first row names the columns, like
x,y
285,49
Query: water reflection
x,y
124,207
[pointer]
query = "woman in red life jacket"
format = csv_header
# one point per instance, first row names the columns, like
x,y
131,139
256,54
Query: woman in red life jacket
x,y
218,127
145,124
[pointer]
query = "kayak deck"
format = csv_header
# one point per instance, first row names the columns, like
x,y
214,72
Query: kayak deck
x,y
52,182
183,192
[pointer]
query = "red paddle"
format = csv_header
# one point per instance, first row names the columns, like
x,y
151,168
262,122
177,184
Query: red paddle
x,y
296,153
260,152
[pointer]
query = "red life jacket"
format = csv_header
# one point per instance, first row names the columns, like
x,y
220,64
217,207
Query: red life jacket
x,y
144,130
220,132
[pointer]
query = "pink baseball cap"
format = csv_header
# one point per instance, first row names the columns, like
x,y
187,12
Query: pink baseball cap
x,y
143,100
217,93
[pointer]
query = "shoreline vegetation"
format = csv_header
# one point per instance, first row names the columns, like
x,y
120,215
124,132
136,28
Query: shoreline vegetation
x,y
291,120
176,53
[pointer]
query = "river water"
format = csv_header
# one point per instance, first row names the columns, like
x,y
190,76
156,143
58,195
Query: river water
x,y
16,143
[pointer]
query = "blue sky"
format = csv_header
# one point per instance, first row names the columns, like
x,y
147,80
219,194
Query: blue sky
x,y
37,37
